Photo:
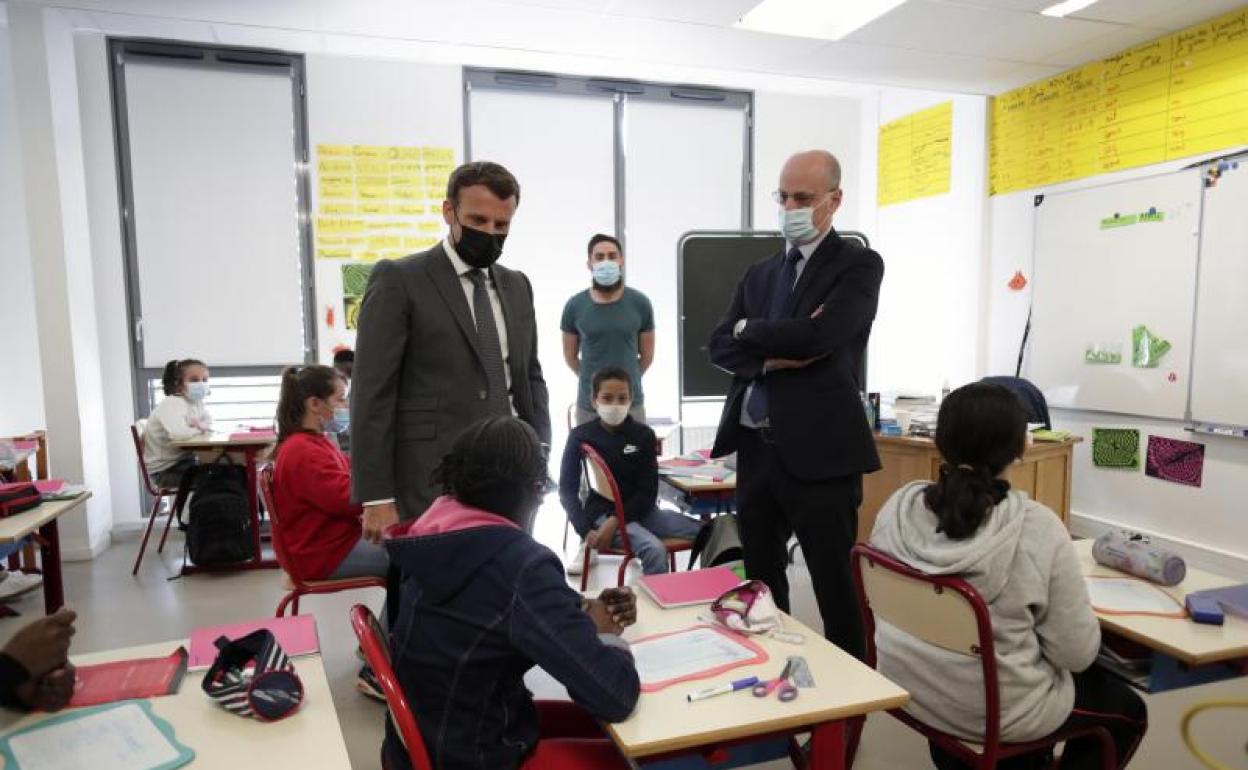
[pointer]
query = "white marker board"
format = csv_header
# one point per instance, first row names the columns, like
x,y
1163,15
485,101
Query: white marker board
x,y
1108,259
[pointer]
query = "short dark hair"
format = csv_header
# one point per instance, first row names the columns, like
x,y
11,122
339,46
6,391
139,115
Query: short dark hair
x,y
497,465
610,373
344,356
603,238
496,178
980,430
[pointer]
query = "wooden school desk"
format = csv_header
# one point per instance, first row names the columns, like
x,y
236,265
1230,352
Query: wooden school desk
x,y
1184,653
1044,474
699,496
665,724
309,739
43,520
246,450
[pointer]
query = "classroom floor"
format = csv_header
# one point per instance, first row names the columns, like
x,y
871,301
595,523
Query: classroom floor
x,y
117,610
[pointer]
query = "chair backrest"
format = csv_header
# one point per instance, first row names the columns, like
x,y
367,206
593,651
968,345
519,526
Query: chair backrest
x,y
602,481
941,610
136,434
377,655
571,415
275,519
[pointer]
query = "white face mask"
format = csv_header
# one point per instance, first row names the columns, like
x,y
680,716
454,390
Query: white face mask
x,y
197,391
798,225
612,414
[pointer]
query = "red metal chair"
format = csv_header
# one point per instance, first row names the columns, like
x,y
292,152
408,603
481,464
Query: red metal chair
x,y
158,493
602,482
949,613
377,655
292,581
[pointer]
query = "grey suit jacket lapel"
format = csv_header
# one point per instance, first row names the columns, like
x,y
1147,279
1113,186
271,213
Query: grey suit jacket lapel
x,y
452,291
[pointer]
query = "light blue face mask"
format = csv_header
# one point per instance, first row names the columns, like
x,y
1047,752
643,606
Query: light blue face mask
x,y
798,225
606,273
197,391
341,420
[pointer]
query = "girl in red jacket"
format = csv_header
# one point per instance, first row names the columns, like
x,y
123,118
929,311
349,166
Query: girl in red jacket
x,y
320,526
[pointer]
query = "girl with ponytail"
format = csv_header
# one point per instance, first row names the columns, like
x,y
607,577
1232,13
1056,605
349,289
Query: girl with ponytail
x,y
319,524
1017,554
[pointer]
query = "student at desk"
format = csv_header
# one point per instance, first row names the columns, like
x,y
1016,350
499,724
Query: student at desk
x,y
482,602
628,448
321,528
180,415
1018,556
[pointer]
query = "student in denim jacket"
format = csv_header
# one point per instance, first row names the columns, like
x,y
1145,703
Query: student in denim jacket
x,y
482,602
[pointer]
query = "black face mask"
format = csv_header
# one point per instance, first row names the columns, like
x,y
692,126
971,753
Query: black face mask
x,y
478,248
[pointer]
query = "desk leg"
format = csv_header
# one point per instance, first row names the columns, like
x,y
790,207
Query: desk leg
x,y
253,501
827,746
50,548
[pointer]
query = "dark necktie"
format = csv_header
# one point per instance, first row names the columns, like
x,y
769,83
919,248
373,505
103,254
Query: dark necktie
x,y
491,348
779,307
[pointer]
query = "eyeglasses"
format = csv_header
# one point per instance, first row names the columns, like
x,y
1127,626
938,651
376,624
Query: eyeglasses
x,y
800,198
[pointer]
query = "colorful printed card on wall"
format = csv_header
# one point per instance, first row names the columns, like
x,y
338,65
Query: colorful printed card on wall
x,y
354,281
1172,459
1116,448
379,202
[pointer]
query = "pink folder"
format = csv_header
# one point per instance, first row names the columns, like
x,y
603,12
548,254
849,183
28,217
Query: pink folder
x,y
680,589
49,486
296,635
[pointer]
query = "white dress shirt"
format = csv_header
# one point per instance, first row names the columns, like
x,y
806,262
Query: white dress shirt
x,y
807,249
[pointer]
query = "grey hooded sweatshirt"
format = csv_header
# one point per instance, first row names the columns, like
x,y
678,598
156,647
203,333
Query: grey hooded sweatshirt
x,y
1022,563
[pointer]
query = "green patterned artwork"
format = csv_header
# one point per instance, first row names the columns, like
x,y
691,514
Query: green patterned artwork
x,y
354,282
1116,448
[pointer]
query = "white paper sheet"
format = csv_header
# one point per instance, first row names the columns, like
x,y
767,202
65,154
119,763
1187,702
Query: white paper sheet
x,y
123,738
686,653
1113,594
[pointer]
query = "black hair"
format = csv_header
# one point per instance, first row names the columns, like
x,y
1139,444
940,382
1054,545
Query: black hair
x,y
497,465
344,356
495,177
609,373
171,378
299,383
980,430
603,238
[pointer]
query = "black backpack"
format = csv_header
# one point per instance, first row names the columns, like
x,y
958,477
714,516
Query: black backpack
x,y
718,542
219,532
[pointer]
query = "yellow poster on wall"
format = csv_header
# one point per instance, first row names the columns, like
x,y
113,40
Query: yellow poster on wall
x,y
914,155
389,196
1179,95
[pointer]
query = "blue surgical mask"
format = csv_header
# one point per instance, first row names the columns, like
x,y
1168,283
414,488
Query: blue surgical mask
x,y
340,421
798,225
197,391
606,273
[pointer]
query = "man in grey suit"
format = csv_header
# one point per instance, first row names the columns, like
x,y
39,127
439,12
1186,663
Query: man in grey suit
x,y
446,337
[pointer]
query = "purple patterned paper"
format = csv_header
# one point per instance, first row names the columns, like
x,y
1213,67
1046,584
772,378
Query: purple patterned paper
x,y
1172,459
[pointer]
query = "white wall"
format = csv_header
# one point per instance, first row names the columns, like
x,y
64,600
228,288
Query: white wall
x,y
1206,524
21,386
928,327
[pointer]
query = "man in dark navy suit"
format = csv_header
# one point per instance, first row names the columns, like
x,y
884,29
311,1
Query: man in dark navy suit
x,y
793,339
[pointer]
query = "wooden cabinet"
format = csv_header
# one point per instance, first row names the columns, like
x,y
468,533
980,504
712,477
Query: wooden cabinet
x,y
1044,474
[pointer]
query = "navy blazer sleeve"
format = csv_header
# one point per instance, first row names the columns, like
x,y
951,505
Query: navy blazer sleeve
x,y
726,351
847,311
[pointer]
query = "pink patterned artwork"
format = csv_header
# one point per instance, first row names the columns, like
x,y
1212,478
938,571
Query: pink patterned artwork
x,y
1172,459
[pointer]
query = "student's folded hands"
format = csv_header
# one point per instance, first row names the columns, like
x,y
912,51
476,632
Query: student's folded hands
x,y
613,610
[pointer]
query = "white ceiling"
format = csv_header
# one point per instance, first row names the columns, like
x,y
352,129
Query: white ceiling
x,y
972,46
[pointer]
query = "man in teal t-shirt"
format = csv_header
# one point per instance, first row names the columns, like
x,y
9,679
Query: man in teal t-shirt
x,y
608,324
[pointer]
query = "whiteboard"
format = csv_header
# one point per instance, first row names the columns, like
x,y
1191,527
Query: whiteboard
x,y
216,213
1097,278
1220,369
